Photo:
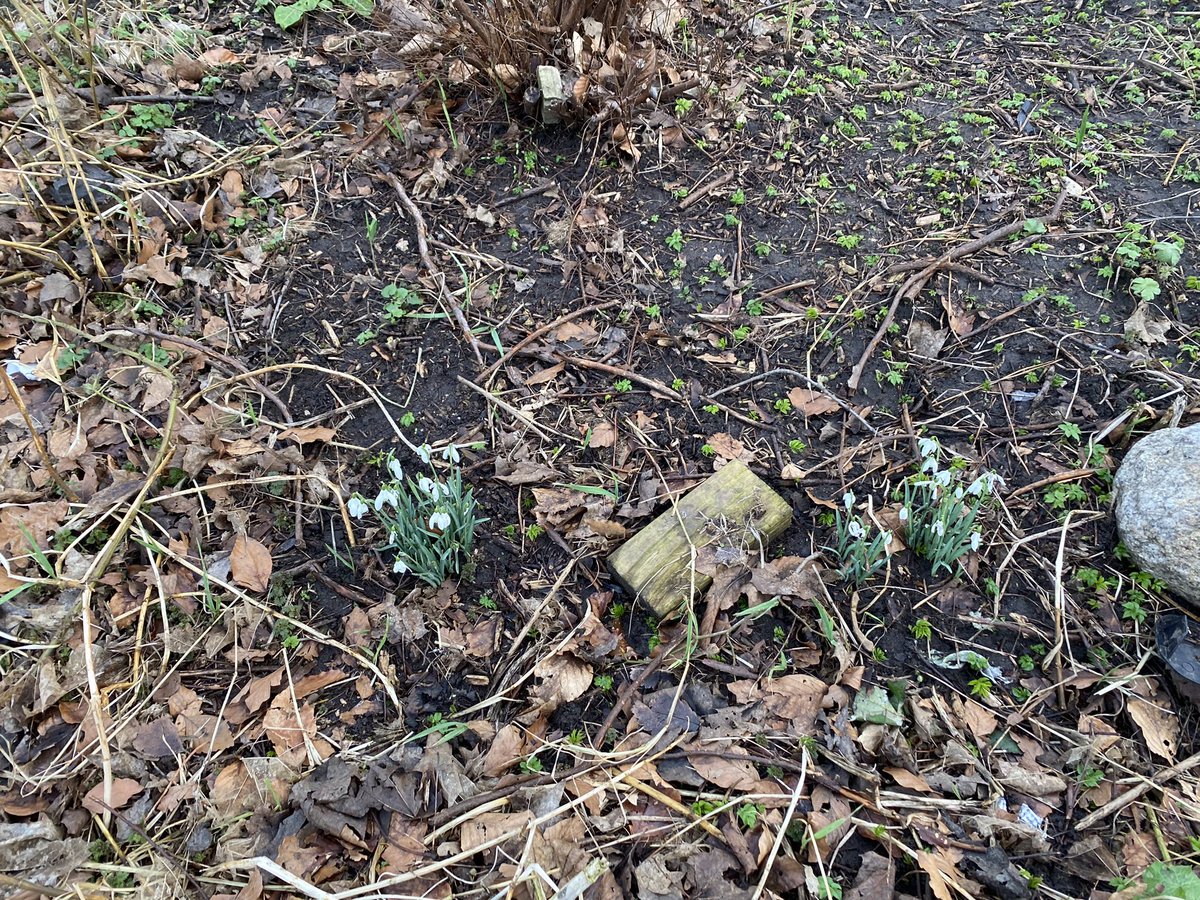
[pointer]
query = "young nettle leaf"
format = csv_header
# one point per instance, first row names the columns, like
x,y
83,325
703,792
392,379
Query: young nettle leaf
x,y
1145,289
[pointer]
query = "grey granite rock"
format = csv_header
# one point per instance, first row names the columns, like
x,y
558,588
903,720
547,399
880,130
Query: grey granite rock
x,y
1158,507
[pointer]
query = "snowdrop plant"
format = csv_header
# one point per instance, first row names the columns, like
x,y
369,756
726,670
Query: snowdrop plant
x,y
860,556
939,510
429,520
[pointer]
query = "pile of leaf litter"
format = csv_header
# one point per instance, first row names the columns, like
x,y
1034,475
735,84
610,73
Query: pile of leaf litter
x,y
225,318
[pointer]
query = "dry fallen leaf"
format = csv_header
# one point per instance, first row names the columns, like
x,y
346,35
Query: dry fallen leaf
x,y
123,790
812,403
505,751
1159,725
251,563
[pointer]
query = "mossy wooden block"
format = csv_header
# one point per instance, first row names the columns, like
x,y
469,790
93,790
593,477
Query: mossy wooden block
x,y
732,508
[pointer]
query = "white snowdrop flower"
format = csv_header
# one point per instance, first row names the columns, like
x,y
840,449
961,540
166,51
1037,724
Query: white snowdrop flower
x,y
395,469
424,453
958,493
439,521
357,506
943,478
428,485
938,528
985,483
451,453
976,540
400,566
386,498
904,514
887,539
854,529
929,466
848,499
928,447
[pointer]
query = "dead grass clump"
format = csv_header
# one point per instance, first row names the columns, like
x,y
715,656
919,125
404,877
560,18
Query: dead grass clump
x,y
582,62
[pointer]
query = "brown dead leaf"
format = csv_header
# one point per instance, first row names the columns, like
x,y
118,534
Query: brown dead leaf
x,y
40,520
1159,725
564,678
790,576
729,447
291,735
876,878
251,564
812,403
796,699
523,471
1146,327
939,866
926,340
507,748
357,629
123,790
403,848
725,773
908,779
481,640
310,684
233,792
157,739
604,434
488,827
976,717
542,376
303,436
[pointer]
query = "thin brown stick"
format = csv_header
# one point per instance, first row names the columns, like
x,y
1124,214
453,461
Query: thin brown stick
x,y
491,370
520,415
784,288
701,192
616,371
451,305
405,102
1119,803
546,186
37,441
229,361
1072,475
812,384
913,285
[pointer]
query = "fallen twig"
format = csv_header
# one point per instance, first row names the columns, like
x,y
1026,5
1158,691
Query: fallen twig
x,y
701,192
520,415
812,384
545,187
618,372
451,305
491,370
36,438
913,285
1119,803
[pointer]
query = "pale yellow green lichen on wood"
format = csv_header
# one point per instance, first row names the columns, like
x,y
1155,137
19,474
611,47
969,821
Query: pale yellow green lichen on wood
x,y
732,508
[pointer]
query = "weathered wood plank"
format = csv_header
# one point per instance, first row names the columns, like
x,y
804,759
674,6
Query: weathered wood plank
x,y
733,508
